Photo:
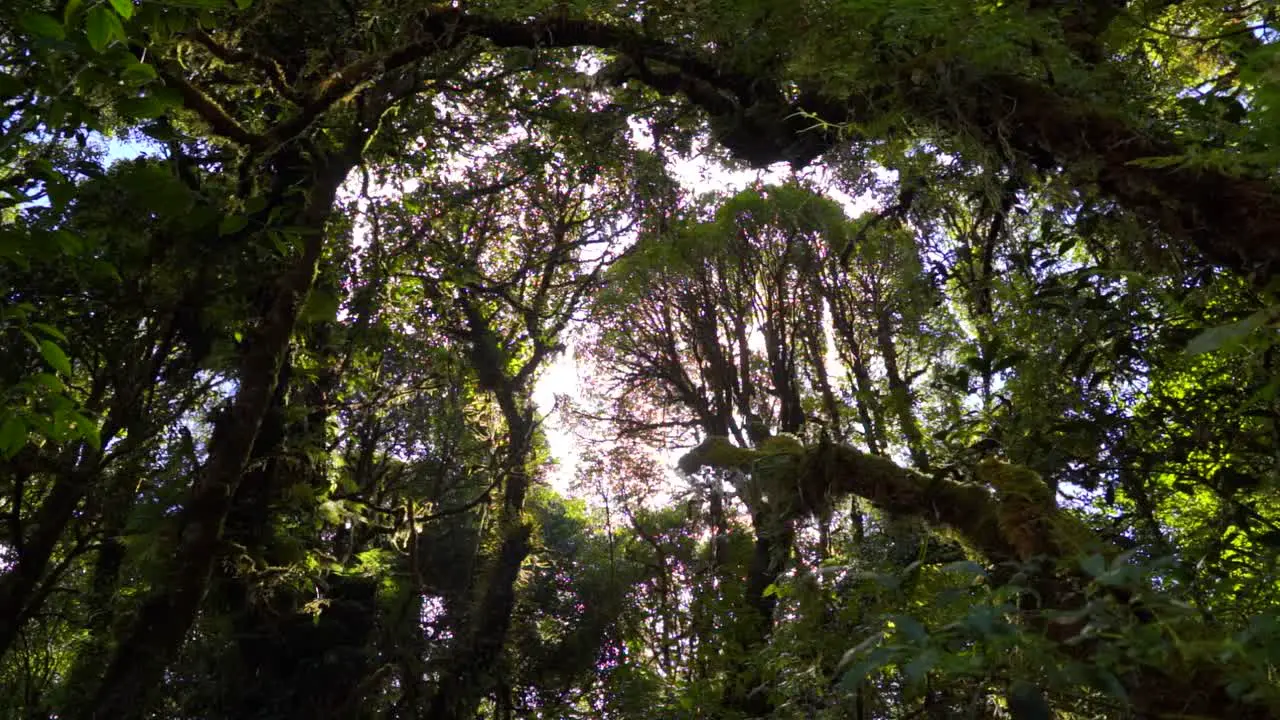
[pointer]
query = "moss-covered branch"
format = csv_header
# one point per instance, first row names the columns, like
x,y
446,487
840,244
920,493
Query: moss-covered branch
x,y
1007,514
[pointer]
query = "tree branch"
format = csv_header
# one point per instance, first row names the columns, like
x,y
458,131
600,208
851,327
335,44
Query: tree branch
x,y
269,67
208,109
1003,525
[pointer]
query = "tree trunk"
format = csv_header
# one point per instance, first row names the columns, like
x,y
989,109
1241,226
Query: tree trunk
x,y
74,479
470,675
167,612
900,392
774,538
20,582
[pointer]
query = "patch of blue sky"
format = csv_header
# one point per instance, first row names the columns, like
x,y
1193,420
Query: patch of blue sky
x,y
125,147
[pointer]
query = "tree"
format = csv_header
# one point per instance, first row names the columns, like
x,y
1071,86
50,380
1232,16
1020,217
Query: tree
x,y
268,433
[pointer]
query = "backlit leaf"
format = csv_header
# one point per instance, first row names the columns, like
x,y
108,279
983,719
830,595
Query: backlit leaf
x,y
56,358
1227,336
87,429
50,330
138,74
124,7
102,27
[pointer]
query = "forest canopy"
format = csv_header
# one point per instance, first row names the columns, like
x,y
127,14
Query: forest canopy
x,y
964,403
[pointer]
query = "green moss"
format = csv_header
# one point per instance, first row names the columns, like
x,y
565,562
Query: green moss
x,y
1014,482
717,452
1029,517
782,444
720,452
774,467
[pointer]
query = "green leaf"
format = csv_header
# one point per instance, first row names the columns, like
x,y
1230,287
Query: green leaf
x,y
143,108
50,381
1228,336
41,425
331,512
255,204
918,669
157,189
68,242
1026,702
13,435
909,628
321,305
232,224
867,644
60,192
160,131
860,671
87,429
1111,684
62,427
50,330
124,7
1094,565
1270,538
55,357
105,270
244,4
138,74
302,493
41,25
965,567
103,26
1159,161
69,11
983,621
1008,361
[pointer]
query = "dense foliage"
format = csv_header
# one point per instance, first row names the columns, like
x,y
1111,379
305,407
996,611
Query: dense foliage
x,y
968,407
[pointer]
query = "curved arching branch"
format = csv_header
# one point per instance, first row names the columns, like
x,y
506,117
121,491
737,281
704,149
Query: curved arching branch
x,y
1227,214
1017,521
